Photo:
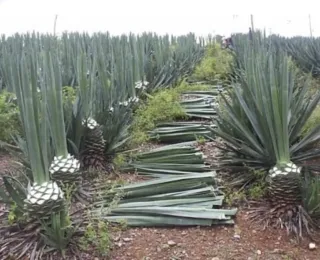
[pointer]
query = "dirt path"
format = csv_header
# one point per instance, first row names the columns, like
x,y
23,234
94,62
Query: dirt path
x,y
241,242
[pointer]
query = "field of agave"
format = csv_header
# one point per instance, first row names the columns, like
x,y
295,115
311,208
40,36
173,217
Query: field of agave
x,y
77,97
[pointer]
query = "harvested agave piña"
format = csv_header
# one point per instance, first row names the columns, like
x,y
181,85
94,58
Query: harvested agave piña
x,y
93,156
285,188
44,199
66,170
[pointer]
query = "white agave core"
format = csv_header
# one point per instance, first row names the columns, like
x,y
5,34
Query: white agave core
x,y
289,167
141,84
90,123
64,164
39,194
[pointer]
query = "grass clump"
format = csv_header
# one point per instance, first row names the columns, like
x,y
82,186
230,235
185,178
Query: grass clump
x,y
215,66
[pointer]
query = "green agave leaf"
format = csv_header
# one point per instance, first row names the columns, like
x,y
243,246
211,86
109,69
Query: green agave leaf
x,y
15,189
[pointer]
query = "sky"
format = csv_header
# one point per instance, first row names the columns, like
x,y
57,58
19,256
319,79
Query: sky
x,y
203,17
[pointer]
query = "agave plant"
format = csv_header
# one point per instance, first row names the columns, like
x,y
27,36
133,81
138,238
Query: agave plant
x,y
261,122
42,119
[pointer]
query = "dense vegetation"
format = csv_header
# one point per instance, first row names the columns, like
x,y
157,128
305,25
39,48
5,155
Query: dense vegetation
x,y
81,107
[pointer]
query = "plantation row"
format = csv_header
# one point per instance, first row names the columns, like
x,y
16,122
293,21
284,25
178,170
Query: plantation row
x,y
79,104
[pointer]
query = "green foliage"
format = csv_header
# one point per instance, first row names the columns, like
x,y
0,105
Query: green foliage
x,y
201,140
97,236
254,191
311,193
119,160
312,122
215,66
163,106
9,117
10,124
235,197
69,94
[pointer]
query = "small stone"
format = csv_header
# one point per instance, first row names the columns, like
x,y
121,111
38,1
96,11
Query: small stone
x,y
183,233
158,249
96,258
312,246
116,239
126,239
165,246
259,252
236,236
215,258
119,244
171,243
254,231
250,258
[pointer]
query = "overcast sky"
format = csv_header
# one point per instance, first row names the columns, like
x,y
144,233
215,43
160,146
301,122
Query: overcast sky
x,y
202,17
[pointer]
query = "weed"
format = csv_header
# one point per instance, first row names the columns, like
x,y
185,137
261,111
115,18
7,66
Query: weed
x,y
119,160
9,117
97,236
215,66
201,140
163,106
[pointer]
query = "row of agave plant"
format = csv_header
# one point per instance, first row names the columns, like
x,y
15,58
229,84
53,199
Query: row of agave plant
x,y
160,60
261,120
64,140
303,50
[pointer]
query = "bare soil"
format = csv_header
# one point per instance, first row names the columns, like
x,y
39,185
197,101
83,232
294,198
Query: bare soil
x,y
243,241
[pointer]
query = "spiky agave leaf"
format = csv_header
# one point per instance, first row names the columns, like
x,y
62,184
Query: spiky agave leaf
x,y
245,119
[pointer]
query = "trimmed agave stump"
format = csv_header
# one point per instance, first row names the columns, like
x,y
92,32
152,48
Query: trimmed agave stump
x,y
92,156
285,194
284,208
44,199
65,171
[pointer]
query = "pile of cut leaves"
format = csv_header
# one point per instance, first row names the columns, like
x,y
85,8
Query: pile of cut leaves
x,y
182,192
